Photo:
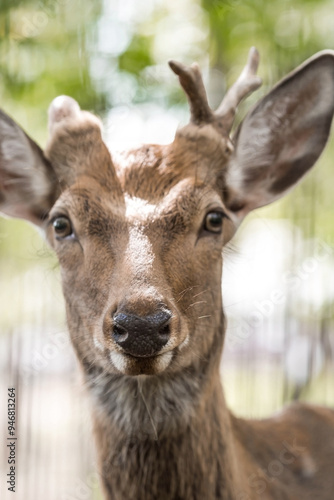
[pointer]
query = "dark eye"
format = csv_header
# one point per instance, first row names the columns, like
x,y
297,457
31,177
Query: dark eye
x,y
214,222
62,227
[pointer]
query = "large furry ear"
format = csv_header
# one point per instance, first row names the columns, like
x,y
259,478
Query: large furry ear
x,y
282,137
28,185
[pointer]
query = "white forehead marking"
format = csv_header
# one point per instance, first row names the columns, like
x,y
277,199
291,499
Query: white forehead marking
x,y
139,255
137,207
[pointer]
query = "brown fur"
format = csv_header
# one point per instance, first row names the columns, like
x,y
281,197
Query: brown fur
x,y
162,428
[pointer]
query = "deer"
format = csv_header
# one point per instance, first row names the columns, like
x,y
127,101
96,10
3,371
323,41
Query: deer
x,y
139,238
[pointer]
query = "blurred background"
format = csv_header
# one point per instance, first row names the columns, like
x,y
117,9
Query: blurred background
x,y
278,282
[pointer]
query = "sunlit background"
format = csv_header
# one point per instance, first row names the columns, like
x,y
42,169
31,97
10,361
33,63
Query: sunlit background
x,y
278,277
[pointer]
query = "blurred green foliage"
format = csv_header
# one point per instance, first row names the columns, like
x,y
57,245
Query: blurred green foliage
x,y
137,56
287,32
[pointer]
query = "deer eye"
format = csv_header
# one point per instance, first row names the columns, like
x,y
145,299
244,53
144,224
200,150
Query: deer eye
x,y
214,222
62,227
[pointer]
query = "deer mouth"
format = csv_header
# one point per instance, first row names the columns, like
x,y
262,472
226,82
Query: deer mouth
x,y
128,364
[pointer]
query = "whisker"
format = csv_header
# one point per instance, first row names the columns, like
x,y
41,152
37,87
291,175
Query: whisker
x,y
196,303
200,293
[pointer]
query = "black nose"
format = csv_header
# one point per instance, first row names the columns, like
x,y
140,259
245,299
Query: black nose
x,y
141,336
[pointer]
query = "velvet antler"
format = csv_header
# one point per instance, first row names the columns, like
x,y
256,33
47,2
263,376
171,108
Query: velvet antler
x,y
201,113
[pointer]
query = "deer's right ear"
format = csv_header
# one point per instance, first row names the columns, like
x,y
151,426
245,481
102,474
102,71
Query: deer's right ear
x,y
282,137
28,185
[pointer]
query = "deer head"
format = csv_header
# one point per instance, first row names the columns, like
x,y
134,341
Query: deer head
x,y
139,237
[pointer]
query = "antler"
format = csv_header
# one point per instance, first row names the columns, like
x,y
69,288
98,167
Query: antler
x,y
192,83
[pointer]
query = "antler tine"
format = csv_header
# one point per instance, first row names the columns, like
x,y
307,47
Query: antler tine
x,y
192,83
247,82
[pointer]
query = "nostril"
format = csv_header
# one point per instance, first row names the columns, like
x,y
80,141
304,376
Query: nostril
x,y
160,319
119,333
164,332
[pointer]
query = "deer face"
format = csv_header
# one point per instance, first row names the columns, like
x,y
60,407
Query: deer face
x,y
139,236
140,245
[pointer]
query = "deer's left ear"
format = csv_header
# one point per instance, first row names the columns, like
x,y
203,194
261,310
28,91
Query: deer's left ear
x,y
282,137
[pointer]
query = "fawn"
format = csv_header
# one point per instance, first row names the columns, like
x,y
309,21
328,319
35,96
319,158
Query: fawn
x,y
139,238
